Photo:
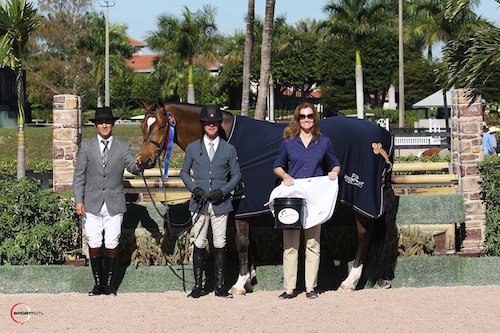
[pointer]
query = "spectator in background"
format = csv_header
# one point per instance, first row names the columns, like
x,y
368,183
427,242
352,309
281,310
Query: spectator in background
x,y
493,132
488,146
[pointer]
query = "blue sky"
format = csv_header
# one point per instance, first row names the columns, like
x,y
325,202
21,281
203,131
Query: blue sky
x,y
140,16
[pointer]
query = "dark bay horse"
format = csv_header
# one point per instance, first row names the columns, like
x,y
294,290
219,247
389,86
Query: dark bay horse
x,y
363,148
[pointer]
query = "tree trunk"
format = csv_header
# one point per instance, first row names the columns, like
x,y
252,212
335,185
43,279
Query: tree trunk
x,y
359,86
265,62
190,91
247,59
21,148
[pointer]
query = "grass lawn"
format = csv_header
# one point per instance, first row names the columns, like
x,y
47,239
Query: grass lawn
x,y
39,141
411,272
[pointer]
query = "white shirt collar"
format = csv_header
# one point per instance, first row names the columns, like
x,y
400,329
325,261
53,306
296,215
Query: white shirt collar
x,y
101,145
110,139
215,141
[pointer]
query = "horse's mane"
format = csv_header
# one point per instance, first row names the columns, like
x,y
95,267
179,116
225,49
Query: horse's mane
x,y
179,103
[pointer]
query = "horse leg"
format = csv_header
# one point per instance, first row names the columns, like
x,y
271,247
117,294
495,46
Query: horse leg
x,y
243,284
364,229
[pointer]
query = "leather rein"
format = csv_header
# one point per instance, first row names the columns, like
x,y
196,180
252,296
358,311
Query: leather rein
x,y
161,147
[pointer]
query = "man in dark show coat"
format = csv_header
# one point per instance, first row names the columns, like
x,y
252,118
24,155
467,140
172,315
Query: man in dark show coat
x,y
100,198
216,173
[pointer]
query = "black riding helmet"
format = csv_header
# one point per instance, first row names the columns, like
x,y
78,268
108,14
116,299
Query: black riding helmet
x,y
210,113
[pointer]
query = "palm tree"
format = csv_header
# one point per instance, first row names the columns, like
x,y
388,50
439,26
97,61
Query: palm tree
x,y
354,20
469,58
186,39
247,58
265,63
18,20
119,49
429,22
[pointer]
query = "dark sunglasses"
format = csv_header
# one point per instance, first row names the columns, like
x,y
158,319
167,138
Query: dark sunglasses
x,y
304,116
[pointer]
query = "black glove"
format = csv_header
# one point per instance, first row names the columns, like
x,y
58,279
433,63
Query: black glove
x,y
199,195
215,196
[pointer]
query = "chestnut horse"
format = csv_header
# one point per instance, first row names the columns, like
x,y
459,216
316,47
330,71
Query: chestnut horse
x,y
374,217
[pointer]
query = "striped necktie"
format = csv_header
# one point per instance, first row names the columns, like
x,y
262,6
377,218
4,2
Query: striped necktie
x,y
211,151
105,152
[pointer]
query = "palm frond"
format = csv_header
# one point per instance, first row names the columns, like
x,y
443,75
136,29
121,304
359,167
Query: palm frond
x,y
469,59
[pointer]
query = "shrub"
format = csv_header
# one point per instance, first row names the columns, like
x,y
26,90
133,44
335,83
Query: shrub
x,y
490,191
36,226
414,242
9,167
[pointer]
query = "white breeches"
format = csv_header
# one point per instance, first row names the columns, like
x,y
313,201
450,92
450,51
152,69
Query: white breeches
x,y
111,225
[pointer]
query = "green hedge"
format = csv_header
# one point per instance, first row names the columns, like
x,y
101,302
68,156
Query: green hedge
x,y
431,209
490,190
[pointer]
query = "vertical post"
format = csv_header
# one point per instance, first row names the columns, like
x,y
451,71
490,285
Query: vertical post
x,y
360,101
392,97
447,118
466,146
106,61
270,99
107,4
66,136
401,69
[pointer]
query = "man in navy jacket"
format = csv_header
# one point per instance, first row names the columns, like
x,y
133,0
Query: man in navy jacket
x,y
215,169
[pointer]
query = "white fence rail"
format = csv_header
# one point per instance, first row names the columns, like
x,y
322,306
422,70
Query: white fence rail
x,y
417,141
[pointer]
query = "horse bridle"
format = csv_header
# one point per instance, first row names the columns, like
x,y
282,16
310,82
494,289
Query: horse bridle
x,y
170,121
201,206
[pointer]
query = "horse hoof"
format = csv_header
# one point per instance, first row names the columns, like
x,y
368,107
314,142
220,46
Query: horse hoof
x,y
346,287
253,274
248,287
383,284
237,291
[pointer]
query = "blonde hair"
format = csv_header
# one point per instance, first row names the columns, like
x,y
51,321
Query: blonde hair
x,y
293,129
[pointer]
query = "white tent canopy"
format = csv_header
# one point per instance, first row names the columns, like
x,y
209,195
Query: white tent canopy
x,y
435,100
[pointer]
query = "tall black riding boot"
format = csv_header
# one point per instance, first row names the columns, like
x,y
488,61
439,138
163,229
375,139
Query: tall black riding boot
x,y
96,264
111,256
198,255
219,265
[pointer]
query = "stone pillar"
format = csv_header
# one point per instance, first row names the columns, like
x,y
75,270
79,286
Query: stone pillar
x,y
65,138
466,146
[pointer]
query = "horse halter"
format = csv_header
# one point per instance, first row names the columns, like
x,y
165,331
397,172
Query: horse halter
x,y
171,122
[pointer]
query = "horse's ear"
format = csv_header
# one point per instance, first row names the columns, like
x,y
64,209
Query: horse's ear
x,y
144,105
160,103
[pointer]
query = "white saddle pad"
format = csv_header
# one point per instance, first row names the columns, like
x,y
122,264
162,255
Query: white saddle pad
x,y
320,194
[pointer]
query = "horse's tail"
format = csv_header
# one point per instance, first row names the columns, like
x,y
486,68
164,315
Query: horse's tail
x,y
380,261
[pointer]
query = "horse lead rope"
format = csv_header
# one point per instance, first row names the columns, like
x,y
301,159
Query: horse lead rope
x,y
167,147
